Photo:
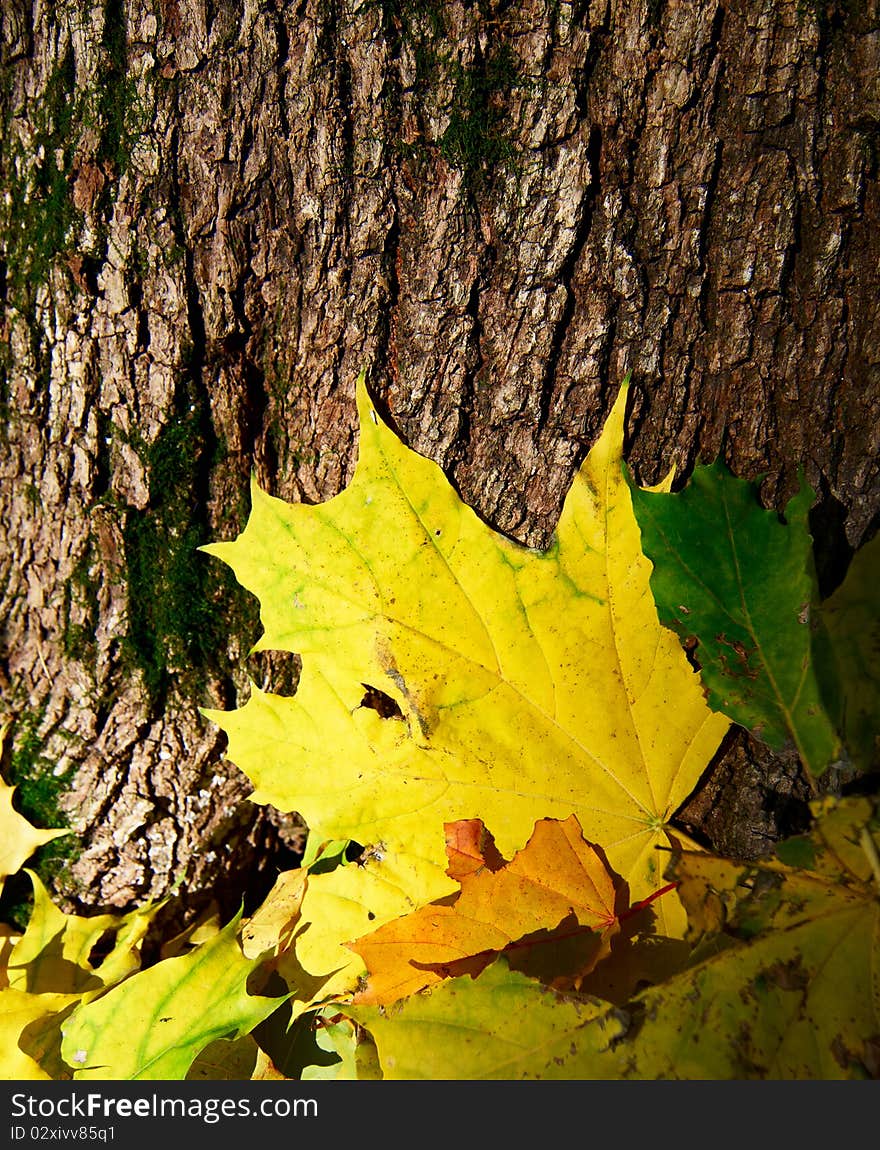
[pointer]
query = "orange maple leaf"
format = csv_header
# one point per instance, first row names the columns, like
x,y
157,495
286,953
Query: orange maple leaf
x,y
557,895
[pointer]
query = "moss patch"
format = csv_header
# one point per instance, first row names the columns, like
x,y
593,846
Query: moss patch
x,y
43,146
177,630
476,140
39,217
121,115
39,788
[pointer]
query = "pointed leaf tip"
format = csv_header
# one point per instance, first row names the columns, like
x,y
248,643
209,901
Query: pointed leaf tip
x,y
365,406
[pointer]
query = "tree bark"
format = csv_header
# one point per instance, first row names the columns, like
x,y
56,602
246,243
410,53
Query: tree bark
x,y
215,213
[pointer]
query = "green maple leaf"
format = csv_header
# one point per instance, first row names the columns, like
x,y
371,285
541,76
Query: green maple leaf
x,y
742,582
523,683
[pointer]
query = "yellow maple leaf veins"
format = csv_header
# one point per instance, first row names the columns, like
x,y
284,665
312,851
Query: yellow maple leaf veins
x,y
530,683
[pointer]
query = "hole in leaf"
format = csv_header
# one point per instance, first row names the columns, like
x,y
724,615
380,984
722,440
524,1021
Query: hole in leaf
x,y
276,671
382,704
102,948
832,551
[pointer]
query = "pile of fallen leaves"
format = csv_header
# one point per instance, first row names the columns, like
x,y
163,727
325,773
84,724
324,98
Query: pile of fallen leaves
x,y
489,745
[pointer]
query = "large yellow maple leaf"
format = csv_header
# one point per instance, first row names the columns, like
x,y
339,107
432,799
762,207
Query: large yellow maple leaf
x,y
528,684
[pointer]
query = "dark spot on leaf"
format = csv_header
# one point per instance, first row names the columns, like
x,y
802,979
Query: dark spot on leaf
x,y
864,1064
741,665
382,704
788,975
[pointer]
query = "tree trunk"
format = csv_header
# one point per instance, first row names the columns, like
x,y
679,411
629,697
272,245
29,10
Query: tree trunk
x,y
214,213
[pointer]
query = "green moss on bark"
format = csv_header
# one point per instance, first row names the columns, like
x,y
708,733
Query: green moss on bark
x,y
39,786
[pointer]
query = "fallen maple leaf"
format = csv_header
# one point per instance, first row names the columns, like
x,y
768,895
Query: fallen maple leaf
x,y
354,1050
501,1025
793,991
557,880
850,669
30,1034
226,1060
56,954
172,1012
742,582
781,983
524,683
60,962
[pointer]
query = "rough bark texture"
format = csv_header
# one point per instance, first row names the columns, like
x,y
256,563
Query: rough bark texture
x,y
213,214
